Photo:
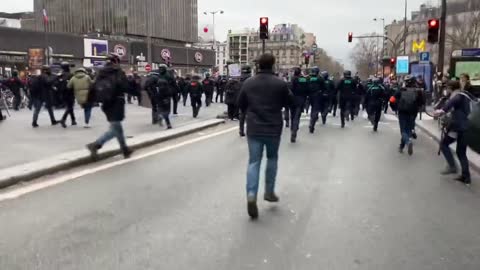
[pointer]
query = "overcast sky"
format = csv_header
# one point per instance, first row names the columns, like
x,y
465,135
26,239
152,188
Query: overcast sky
x,y
329,20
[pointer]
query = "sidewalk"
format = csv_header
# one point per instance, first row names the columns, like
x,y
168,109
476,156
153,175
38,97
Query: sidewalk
x,y
430,127
27,152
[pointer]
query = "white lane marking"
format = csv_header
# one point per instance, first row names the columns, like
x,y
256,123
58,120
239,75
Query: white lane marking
x,y
64,178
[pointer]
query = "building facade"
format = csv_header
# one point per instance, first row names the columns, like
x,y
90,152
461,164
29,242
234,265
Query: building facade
x,y
237,46
163,19
459,13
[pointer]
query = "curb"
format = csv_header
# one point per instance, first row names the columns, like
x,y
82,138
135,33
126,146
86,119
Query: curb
x,y
474,166
29,171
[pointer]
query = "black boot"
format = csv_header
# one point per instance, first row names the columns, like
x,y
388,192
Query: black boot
x,y
127,152
252,208
271,197
293,138
93,148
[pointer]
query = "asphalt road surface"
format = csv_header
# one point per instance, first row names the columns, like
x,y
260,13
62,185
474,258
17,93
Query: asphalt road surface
x,y
348,200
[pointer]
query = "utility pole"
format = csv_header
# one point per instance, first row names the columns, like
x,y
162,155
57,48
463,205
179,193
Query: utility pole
x,y
441,47
149,33
405,29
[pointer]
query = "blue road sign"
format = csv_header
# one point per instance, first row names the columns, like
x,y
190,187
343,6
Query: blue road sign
x,y
403,65
424,57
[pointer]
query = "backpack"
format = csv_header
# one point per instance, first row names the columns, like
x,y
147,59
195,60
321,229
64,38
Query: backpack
x,y
408,100
472,134
104,89
162,88
473,101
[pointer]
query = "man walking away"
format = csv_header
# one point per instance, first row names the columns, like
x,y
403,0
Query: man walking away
x,y
195,89
151,88
347,90
262,98
183,84
42,87
15,85
67,95
460,103
231,97
221,84
110,87
208,85
81,84
408,102
246,73
163,95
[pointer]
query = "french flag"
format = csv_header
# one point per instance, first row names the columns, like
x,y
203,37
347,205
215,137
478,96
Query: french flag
x,y
45,16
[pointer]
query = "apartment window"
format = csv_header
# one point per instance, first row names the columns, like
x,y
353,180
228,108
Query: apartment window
x,y
218,62
224,62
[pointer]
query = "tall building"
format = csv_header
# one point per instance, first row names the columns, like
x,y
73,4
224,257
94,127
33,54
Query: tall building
x,y
174,20
237,46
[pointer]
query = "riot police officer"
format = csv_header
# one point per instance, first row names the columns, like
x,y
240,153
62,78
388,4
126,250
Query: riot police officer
x,y
317,89
208,86
374,100
330,94
221,84
300,90
195,90
347,88
245,74
166,89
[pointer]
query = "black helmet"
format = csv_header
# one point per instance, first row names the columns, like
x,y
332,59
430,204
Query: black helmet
x,y
325,75
207,75
315,71
246,70
15,73
410,80
162,69
347,74
46,69
113,58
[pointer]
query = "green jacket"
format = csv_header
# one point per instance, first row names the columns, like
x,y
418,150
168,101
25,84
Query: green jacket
x,y
80,83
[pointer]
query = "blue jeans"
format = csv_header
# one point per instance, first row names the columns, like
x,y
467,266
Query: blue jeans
x,y
37,107
407,124
87,111
256,144
461,152
115,131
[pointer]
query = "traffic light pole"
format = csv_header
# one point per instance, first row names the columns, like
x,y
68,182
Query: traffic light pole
x,y
263,46
441,47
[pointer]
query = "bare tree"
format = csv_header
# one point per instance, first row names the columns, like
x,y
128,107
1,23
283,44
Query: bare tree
x,y
464,29
397,47
327,63
364,57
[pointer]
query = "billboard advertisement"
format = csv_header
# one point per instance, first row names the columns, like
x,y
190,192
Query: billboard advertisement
x,y
403,65
36,58
95,48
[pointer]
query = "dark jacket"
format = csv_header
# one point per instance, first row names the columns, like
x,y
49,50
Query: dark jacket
x,y
419,102
115,109
459,104
208,86
232,91
375,95
14,84
42,87
262,98
347,88
195,89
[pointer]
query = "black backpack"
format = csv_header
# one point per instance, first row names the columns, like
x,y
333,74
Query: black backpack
x,y
104,88
408,100
163,88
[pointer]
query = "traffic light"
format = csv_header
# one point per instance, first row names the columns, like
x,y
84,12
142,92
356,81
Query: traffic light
x,y
350,37
433,27
264,28
393,61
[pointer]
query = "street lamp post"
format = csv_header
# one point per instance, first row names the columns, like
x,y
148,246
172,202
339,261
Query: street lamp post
x,y
383,45
213,30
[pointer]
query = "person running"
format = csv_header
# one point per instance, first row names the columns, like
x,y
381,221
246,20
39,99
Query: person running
x,y
110,88
81,84
408,101
262,98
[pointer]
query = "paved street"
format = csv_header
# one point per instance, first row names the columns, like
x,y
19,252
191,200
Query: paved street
x,y
25,144
349,200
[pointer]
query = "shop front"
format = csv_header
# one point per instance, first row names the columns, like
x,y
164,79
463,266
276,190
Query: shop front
x,y
12,60
185,60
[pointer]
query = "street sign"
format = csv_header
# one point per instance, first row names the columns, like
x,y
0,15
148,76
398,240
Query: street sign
x,y
418,46
314,47
424,57
403,65
148,68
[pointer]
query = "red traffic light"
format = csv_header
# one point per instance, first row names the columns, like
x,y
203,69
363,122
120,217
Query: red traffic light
x,y
350,36
392,60
264,20
433,23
